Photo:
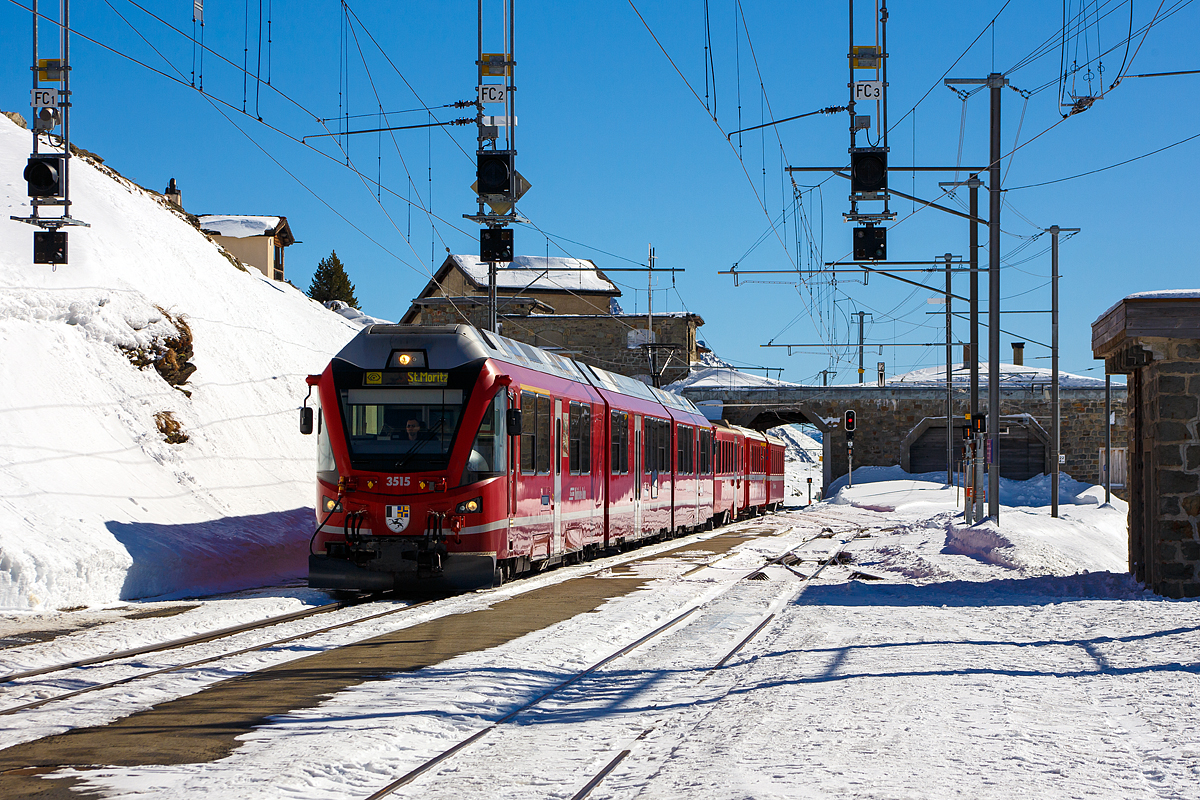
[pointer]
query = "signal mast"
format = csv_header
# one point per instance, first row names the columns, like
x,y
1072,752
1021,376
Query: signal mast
x,y
497,185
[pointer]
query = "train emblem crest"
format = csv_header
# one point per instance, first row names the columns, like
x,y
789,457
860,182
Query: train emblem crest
x,y
396,518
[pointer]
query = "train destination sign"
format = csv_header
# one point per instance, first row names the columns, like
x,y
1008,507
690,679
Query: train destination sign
x,y
406,379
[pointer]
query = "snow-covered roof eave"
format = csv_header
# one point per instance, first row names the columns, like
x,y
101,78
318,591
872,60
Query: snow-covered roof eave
x,y
539,273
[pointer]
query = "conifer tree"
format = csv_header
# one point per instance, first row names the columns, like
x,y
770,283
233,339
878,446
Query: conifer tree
x,y
330,282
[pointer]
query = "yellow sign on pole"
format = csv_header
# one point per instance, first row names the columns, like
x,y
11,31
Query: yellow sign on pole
x,y
495,64
50,70
864,57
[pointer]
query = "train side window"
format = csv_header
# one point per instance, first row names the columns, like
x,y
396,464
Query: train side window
x,y
685,450
579,443
579,446
619,443
528,431
657,446
543,434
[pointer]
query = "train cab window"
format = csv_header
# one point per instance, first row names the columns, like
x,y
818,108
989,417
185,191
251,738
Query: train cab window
x,y
326,466
619,443
406,427
489,456
579,443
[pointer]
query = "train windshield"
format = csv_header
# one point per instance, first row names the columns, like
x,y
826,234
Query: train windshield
x,y
401,429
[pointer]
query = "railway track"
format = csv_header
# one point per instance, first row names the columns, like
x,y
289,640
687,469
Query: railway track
x,y
677,622
20,693
185,641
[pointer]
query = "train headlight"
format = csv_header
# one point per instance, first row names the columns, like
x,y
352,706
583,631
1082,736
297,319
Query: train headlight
x,y
331,505
472,506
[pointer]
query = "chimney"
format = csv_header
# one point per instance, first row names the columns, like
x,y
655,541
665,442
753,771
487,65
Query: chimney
x,y
1018,353
173,194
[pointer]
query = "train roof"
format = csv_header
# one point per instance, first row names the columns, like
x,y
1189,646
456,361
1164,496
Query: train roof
x,y
454,345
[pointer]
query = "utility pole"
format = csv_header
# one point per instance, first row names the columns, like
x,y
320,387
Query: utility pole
x,y
949,381
1107,437
1056,421
860,315
650,352
995,82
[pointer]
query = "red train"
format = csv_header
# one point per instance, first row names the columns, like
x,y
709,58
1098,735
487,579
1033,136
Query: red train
x,y
450,457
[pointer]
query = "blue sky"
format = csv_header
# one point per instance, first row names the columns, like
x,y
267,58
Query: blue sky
x,y
621,153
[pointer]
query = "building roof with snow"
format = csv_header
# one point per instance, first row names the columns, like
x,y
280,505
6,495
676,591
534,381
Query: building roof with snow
x,y
243,227
565,285
1011,376
538,273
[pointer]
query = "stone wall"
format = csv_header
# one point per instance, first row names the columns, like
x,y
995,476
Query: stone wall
x,y
886,415
1169,470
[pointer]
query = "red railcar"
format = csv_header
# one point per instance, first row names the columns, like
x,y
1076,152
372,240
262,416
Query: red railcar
x,y
455,458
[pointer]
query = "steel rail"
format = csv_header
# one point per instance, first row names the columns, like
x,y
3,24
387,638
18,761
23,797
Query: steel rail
x,y
188,640
207,660
608,768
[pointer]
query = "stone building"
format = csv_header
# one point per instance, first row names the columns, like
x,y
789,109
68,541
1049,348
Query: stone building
x,y
903,421
563,285
1154,338
564,305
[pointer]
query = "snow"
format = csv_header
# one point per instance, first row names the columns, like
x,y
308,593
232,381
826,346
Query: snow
x,y
727,378
985,661
95,507
1012,376
1167,294
237,227
1160,294
526,272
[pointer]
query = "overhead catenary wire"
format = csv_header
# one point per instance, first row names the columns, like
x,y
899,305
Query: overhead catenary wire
x,y
213,101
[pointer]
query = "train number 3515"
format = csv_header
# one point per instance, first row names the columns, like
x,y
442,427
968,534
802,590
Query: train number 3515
x,y
397,480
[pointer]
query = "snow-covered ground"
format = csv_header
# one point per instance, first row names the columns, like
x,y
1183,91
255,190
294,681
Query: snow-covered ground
x,y
990,661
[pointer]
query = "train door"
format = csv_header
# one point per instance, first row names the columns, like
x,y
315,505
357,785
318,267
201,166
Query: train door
x,y
637,476
560,452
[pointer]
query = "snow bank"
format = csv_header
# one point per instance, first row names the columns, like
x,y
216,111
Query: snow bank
x,y
95,506
1086,535
799,446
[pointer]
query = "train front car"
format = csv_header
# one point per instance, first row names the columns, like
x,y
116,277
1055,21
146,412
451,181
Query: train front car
x,y
412,462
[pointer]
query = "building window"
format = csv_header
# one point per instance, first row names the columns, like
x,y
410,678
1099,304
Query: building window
x,y
278,260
